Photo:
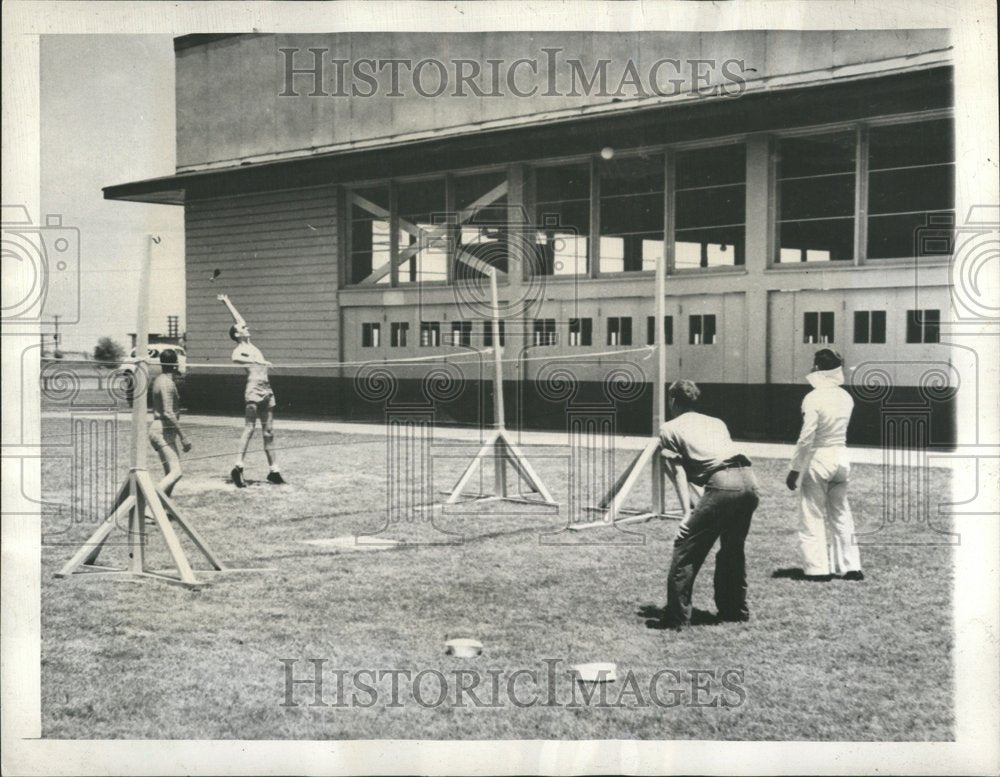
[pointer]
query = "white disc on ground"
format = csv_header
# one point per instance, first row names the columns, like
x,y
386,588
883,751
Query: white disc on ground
x,y
597,672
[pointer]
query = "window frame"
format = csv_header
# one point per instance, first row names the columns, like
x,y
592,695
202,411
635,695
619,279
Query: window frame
x,y
918,315
668,151
621,329
543,333
701,328
371,334
398,332
434,329
668,332
819,318
584,332
463,329
861,190
869,329
488,332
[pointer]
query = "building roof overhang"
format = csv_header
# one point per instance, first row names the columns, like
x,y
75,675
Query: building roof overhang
x,y
920,83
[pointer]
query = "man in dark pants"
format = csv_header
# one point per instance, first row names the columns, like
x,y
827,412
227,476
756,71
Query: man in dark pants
x,y
698,451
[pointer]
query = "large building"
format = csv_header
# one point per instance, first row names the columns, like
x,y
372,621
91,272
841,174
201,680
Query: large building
x,y
355,189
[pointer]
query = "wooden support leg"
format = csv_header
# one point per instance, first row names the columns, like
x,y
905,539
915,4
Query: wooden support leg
x,y
137,527
619,499
88,552
620,481
499,467
520,462
196,538
148,490
115,516
466,476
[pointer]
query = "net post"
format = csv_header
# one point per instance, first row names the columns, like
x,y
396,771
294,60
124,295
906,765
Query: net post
x,y
498,409
141,374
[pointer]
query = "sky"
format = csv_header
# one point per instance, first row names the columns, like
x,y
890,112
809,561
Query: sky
x,y
107,117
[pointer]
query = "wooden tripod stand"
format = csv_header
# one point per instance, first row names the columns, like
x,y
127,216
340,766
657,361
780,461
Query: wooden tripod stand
x,y
499,446
612,504
139,493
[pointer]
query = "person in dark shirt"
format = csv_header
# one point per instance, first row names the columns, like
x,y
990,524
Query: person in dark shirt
x,y
165,431
698,451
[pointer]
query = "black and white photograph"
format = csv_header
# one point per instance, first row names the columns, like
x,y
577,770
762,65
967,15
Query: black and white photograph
x,y
500,388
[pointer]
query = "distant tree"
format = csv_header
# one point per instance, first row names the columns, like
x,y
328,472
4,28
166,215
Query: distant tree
x,y
108,351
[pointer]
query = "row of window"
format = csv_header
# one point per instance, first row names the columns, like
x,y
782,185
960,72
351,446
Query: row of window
x,y
922,326
862,193
580,332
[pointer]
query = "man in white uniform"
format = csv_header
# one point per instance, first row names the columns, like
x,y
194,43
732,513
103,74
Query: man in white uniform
x,y
258,398
826,529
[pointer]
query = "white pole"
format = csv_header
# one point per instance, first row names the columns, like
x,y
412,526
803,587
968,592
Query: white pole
x,y
659,405
498,412
139,443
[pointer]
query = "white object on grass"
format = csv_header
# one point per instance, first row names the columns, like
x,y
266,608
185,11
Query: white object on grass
x,y
463,647
597,672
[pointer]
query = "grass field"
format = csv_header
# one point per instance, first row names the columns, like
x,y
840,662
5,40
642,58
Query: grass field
x,y
836,661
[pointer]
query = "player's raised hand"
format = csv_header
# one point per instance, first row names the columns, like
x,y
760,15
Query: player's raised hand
x,y
222,298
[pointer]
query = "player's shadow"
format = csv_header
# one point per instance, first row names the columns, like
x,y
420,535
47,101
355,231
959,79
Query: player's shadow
x,y
657,619
249,483
789,573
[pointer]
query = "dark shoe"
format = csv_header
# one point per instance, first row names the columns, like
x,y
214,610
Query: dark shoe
x,y
818,578
856,574
738,618
703,617
237,476
275,478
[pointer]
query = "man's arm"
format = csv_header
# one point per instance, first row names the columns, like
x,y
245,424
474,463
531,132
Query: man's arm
x,y
678,477
232,309
803,448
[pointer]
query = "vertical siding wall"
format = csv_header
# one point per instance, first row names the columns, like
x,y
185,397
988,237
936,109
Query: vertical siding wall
x,y
277,257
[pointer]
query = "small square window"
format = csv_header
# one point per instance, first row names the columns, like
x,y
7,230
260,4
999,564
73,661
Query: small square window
x,y
701,329
430,334
668,330
397,334
488,333
370,335
581,331
461,333
544,331
869,326
817,328
620,330
923,326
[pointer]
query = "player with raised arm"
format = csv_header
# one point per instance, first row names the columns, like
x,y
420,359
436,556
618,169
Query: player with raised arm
x,y
258,398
